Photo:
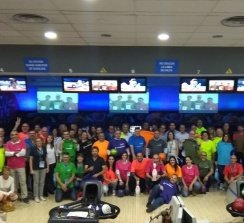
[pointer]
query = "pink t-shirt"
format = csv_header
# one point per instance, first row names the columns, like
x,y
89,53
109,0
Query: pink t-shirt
x,y
159,167
13,161
123,168
189,173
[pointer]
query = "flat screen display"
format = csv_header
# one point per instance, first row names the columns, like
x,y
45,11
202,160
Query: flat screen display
x,y
76,84
218,85
240,85
198,103
193,84
129,103
104,85
56,102
128,84
13,84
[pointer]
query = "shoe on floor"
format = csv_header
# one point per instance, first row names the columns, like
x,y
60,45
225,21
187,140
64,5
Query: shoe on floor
x,y
37,200
150,208
25,200
43,198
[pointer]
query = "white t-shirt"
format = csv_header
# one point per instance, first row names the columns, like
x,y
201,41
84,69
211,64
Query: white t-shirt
x,y
51,154
7,186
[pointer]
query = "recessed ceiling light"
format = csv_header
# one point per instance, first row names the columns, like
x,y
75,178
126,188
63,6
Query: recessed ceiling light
x,y
163,36
50,35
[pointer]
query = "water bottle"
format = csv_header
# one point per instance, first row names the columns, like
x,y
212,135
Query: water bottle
x,y
138,189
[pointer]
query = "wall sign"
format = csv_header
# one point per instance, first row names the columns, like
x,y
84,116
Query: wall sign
x,y
36,65
167,66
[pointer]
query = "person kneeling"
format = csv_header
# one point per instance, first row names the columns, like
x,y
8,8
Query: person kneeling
x,y
7,195
65,175
162,193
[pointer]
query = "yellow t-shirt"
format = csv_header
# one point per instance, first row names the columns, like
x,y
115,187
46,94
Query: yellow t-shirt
x,y
208,147
103,148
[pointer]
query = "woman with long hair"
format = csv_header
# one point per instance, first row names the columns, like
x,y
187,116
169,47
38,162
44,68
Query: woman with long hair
x,y
172,168
172,145
110,178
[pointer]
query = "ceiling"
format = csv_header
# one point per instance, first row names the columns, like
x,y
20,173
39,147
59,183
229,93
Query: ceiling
x,y
130,22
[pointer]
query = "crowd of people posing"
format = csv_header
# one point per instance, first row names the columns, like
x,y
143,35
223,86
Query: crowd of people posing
x,y
159,160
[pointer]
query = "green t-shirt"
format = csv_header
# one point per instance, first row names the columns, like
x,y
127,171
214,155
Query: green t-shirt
x,y
191,149
80,170
70,147
200,130
204,167
65,171
208,147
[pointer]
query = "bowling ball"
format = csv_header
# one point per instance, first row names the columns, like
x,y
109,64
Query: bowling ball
x,y
113,152
120,193
238,205
162,156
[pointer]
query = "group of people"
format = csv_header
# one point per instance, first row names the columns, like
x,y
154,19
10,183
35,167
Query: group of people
x,y
157,160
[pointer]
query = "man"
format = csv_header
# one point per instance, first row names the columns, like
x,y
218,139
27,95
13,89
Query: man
x,y
190,147
125,134
156,145
218,137
94,166
68,146
199,127
110,133
162,193
188,104
146,133
58,103
130,104
205,171
43,134
70,105
2,135
210,105
65,175
24,134
138,173
137,143
118,104
199,103
154,164
238,138
163,132
206,145
7,186
102,146
15,153
46,104
141,105
172,128
119,144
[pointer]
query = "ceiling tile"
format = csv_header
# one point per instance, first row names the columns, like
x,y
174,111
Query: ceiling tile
x,y
9,33
228,6
42,27
104,28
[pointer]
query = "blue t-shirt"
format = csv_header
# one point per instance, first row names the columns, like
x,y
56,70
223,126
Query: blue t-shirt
x,y
120,145
224,151
138,142
169,190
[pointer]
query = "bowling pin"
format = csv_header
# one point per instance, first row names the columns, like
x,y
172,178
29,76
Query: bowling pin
x,y
154,172
138,189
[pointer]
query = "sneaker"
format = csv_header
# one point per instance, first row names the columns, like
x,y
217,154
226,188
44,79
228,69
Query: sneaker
x,y
43,198
37,200
26,200
221,186
150,208
148,204
114,193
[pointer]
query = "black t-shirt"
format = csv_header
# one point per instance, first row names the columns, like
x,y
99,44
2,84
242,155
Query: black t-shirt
x,y
85,148
97,164
39,158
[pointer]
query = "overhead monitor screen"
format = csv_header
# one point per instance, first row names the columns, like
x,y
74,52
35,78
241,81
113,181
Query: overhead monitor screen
x,y
13,84
76,84
221,85
193,84
104,85
135,84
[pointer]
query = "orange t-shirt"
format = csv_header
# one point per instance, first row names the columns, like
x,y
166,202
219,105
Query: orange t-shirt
x,y
147,135
23,136
171,170
103,148
109,174
139,168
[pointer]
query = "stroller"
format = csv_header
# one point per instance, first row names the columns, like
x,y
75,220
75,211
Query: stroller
x,y
89,209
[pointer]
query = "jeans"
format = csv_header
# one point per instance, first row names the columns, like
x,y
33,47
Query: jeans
x,y
39,180
59,194
20,177
154,198
196,188
221,173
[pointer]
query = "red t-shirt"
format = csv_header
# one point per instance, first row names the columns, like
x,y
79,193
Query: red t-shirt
x,y
109,174
13,161
139,168
233,170
189,173
159,167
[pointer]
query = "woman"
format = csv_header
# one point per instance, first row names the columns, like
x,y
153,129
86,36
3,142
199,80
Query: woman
x,y
85,145
39,168
172,168
211,132
110,178
224,151
123,167
172,145
57,139
80,170
190,175
233,171
51,156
